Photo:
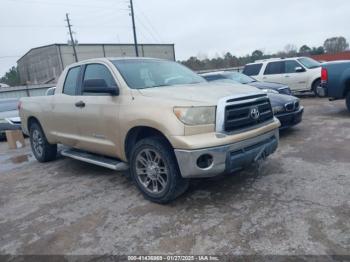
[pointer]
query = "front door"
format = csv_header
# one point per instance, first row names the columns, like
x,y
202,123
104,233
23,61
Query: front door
x,y
296,80
98,115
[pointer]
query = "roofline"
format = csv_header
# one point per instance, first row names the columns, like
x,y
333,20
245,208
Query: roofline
x,y
91,44
111,59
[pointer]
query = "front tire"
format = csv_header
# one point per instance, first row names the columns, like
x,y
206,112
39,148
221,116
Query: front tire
x,y
155,171
42,149
348,100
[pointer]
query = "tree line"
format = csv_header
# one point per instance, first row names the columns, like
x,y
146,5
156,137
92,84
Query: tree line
x,y
330,46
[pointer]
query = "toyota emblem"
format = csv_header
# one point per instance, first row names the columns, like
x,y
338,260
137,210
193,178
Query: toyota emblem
x,y
254,113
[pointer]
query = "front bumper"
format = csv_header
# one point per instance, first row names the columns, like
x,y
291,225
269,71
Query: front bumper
x,y
227,158
290,119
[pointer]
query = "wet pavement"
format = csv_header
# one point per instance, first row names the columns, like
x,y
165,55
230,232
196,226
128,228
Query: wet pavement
x,y
299,202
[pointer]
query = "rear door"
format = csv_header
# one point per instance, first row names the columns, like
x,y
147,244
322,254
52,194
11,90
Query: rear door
x,y
64,111
98,115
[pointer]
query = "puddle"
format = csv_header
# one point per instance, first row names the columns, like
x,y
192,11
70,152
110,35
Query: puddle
x,y
20,159
15,161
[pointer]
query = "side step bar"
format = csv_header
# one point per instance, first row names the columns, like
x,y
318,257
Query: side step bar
x,y
95,159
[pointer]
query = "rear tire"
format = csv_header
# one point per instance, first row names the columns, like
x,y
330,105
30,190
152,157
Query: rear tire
x,y
314,87
348,100
42,149
154,169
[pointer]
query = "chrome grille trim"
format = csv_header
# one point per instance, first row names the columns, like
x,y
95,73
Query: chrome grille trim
x,y
239,100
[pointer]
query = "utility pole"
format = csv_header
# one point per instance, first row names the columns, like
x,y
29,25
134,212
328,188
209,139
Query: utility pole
x,y
134,28
71,38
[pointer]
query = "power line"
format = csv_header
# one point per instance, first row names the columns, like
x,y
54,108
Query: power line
x,y
151,25
146,28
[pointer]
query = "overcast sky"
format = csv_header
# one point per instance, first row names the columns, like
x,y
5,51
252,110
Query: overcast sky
x,y
196,27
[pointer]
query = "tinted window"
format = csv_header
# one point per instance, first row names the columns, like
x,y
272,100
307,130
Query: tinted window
x,y
241,78
274,68
290,66
252,70
70,85
98,71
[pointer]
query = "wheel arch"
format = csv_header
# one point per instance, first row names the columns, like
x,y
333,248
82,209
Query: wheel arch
x,y
140,132
346,87
31,120
314,82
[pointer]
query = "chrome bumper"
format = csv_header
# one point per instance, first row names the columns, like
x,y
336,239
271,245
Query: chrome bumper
x,y
227,158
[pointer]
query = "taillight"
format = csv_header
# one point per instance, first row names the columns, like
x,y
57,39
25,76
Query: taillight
x,y
324,75
19,105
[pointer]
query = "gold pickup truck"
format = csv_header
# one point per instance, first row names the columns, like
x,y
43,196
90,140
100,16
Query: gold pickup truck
x,y
153,117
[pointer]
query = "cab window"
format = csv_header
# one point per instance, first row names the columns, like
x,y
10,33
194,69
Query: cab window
x,y
274,68
290,66
252,70
98,71
70,84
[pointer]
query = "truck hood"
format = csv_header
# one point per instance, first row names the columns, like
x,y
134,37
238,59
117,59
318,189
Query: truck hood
x,y
266,85
281,100
204,93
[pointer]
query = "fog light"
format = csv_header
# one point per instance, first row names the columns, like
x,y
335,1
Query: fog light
x,y
204,161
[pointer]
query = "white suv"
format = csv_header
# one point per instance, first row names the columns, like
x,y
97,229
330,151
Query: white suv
x,y
299,73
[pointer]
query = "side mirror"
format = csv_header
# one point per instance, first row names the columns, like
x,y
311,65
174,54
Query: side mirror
x,y
99,86
299,69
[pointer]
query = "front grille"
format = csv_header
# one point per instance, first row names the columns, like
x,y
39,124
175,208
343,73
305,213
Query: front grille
x,y
240,116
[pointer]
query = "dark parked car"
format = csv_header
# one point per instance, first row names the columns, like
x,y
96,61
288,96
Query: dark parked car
x,y
9,119
247,80
335,81
286,108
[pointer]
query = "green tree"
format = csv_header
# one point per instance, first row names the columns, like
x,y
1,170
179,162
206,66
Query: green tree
x,y
317,50
304,50
335,44
11,77
256,55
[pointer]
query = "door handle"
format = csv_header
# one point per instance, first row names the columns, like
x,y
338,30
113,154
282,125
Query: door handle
x,y
286,76
80,104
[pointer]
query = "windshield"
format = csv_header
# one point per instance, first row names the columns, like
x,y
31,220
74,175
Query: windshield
x,y
241,78
309,62
148,73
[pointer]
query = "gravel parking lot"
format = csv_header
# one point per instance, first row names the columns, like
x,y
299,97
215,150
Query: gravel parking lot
x,y
298,203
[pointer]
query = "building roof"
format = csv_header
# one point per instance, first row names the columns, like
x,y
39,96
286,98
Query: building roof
x,y
91,44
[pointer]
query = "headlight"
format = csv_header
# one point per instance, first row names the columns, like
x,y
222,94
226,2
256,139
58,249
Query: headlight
x,y
202,115
271,91
277,109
